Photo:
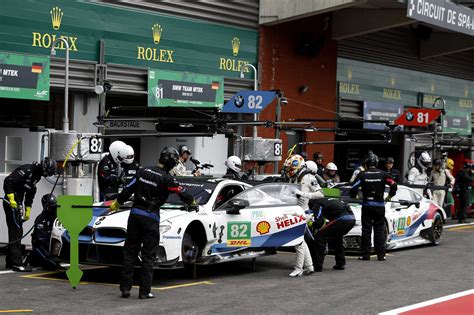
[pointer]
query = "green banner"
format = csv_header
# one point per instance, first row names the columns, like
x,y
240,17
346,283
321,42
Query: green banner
x,y
176,89
24,77
457,121
131,37
388,94
374,82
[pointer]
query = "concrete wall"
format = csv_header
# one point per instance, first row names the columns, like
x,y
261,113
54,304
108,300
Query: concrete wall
x,y
85,111
278,11
283,68
30,147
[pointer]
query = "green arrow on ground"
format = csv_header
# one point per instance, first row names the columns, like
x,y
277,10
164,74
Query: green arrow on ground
x,y
74,221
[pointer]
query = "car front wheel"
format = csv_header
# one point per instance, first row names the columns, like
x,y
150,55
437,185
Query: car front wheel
x,y
436,229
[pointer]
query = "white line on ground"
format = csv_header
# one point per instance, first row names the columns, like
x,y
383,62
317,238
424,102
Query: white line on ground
x,y
453,225
429,302
6,271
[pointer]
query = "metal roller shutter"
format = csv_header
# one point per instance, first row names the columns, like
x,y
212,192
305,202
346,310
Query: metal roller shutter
x,y
243,14
81,74
127,79
350,109
398,47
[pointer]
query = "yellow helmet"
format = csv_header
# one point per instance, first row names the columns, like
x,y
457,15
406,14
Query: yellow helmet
x,y
293,165
450,164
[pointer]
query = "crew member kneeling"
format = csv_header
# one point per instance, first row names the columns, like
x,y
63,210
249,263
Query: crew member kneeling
x,y
151,187
341,221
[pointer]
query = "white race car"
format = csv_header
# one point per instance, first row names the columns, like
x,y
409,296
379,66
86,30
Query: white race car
x,y
410,220
234,221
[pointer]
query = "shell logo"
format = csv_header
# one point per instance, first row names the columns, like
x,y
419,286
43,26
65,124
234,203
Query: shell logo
x,y
263,227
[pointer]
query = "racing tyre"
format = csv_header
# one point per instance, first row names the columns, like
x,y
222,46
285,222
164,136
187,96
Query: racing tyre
x,y
436,229
190,249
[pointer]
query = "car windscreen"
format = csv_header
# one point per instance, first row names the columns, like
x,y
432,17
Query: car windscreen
x,y
267,195
201,191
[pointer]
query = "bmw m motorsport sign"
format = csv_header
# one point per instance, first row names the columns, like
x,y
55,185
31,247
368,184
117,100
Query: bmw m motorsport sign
x,y
249,102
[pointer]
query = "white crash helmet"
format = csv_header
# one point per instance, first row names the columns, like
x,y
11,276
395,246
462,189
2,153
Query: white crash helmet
x,y
118,151
424,160
331,166
312,166
130,155
234,163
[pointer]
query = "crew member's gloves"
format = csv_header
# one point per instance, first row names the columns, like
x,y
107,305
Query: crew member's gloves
x,y
298,193
114,206
27,213
11,199
193,206
388,198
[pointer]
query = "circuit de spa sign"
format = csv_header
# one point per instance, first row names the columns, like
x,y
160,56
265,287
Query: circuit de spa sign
x,y
443,14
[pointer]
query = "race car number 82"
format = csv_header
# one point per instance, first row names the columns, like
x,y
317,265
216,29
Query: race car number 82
x,y
238,230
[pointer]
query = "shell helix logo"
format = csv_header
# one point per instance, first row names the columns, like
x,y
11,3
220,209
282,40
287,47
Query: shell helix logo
x,y
56,17
235,46
157,30
263,227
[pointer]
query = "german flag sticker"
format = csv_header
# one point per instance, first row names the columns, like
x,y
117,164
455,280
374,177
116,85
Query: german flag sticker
x,y
37,67
215,85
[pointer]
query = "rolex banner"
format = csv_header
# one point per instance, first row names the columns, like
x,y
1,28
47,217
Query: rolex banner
x,y
184,89
25,77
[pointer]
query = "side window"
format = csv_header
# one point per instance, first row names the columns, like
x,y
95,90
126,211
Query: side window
x,y
402,194
415,196
267,195
226,194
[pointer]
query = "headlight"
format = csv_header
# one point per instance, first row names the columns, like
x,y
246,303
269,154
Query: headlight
x,y
58,225
164,228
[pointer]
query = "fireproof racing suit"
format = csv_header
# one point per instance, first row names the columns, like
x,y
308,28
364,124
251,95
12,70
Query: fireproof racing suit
x,y
310,189
22,183
40,239
109,178
130,171
417,177
373,183
151,187
341,221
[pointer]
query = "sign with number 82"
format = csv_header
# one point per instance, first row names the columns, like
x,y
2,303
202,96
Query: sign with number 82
x,y
238,230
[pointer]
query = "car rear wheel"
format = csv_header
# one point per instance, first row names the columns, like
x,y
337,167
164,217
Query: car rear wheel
x,y
436,229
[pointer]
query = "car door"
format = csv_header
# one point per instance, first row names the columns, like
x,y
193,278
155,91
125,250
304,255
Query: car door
x,y
402,214
264,216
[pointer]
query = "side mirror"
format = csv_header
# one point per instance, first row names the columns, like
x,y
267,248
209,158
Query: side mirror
x,y
417,204
236,204
404,202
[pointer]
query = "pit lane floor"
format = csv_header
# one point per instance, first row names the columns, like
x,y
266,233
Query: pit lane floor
x,y
407,277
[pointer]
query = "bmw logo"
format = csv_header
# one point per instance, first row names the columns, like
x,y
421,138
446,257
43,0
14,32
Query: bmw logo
x,y
409,116
239,101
